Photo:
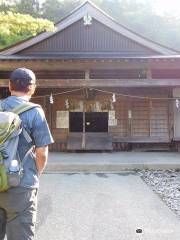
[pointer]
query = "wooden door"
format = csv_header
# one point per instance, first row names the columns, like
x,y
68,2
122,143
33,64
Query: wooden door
x,y
96,121
76,122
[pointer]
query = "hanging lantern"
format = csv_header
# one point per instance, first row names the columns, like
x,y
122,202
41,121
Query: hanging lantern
x,y
51,100
129,113
177,103
114,98
67,104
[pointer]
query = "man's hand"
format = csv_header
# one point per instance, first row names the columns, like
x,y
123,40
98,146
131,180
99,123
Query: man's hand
x,y
41,158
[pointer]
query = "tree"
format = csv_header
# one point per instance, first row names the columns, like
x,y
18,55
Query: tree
x,y
15,27
5,5
141,17
31,7
55,10
52,10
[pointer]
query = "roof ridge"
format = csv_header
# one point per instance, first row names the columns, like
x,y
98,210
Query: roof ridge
x,y
97,12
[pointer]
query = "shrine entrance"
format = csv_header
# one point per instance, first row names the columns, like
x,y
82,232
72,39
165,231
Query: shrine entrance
x,y
89,131
96,122
93,122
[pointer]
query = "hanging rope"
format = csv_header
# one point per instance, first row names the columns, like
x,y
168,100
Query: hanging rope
x,y
133,96
61,93
110,92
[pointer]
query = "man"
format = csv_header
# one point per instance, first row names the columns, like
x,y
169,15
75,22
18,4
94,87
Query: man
x,y
18,205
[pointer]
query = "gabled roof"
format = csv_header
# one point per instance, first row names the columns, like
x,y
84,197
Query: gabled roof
x,y
96,13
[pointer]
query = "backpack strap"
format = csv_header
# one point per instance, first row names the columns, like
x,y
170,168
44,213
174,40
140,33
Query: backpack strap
x,y
1,108
24,107
30,151
21,109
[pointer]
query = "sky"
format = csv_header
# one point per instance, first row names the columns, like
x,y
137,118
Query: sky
x,y
170,6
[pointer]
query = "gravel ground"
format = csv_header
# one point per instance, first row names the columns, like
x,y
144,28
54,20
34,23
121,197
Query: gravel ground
x,y
166,184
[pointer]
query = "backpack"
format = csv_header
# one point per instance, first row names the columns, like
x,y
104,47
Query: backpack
x,y
11,166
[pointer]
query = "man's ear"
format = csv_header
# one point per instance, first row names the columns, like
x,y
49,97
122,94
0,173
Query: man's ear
x,y
9,85
32,89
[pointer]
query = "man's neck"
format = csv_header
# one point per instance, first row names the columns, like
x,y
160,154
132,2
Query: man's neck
x,y
21,95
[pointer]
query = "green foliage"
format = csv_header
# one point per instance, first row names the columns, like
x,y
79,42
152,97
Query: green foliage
x,y
31,7
55,10
52,10
15,27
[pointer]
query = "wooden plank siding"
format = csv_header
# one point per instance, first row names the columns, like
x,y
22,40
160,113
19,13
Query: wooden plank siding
x,y
149,123
97,38
159,119
140,121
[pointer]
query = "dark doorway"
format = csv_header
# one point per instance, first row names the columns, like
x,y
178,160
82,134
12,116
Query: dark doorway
x,y
76,122
96,121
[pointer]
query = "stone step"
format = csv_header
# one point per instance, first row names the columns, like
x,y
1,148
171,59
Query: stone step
x,y
90,141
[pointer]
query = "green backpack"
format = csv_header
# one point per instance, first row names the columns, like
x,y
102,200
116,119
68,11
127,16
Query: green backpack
x,y
10,128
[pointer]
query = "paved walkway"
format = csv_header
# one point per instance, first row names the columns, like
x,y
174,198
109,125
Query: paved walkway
x,y
112,162
102,207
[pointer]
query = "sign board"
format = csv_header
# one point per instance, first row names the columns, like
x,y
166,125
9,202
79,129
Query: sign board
x,y
112,115
176,92
62,119
112,122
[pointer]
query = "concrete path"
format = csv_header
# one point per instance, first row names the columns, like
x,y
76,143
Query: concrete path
x,y
102,207
112,162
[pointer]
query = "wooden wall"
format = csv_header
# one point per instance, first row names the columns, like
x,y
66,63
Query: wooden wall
x,y
141,121
138,120
97,38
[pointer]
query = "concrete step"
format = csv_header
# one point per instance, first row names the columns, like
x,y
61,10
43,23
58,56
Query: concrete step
x,y
111,162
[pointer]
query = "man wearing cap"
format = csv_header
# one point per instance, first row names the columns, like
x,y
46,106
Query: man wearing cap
x,y
18,205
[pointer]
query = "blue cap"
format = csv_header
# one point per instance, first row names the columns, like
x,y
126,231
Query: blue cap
x,y
23,76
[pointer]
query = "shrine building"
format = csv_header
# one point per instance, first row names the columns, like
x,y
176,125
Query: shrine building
x,y
102,86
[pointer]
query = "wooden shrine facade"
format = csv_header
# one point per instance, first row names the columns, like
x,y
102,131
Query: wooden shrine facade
x,y
111,88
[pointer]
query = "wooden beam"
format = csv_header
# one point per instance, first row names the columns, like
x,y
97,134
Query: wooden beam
x,y
4,82
52,64
70,83
44,83
163,65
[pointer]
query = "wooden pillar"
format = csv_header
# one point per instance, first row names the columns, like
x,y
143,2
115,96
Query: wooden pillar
x,y
171,104
87,74
150,112
149,73
84,131
129,115
49,112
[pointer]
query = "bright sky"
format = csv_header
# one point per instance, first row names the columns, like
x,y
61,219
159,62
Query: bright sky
x,y
170,6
